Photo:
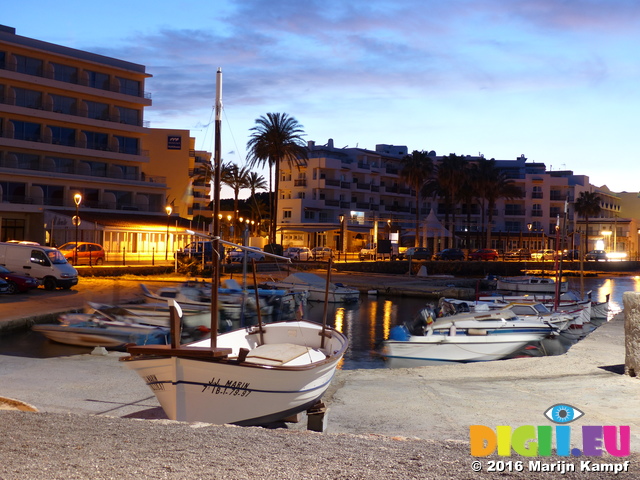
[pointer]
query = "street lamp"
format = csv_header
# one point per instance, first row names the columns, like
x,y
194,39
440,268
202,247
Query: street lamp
x,y
529,226
77,198
341,218
168,209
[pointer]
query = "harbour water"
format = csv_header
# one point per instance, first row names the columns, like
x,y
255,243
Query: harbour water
x,y
366,323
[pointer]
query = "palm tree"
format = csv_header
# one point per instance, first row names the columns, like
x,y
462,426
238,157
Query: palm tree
x,y
448,185
236,178
416,169
588,205
256,182
493,184
276,138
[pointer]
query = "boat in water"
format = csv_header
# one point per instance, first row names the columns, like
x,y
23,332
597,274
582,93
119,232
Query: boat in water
x,y
530,284
461,337
316,288
98,331
248,376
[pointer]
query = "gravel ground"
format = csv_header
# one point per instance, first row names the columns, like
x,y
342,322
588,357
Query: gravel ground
x,y
58,446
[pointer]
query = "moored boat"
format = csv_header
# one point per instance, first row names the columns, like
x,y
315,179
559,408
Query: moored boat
x,y
247,376
463,337
530,284
316,288
102,333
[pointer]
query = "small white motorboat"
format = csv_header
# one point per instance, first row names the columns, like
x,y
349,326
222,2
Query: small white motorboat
x,y
463,337
98,332
530,284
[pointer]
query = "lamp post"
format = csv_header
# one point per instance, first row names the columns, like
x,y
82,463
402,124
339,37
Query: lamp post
x,y
168,209
341,218
529,226
77,198
229,217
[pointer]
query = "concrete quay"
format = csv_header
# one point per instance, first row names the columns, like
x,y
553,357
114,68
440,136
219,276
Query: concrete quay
x,y
96,419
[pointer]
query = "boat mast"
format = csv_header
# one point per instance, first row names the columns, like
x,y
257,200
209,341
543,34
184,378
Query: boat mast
x,y
215,241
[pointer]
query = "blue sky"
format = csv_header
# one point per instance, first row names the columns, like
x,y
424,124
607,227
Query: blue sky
x,y
555,80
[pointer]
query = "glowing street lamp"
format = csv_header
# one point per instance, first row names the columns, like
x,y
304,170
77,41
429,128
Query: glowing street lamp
x,y
77,198
169,210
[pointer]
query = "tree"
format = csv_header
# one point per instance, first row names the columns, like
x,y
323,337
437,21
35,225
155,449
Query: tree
x,y
236,178
493,184
448,185
276,138
416,169
588,205
256,182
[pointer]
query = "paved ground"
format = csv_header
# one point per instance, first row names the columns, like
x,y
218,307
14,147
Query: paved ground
x,y
405,423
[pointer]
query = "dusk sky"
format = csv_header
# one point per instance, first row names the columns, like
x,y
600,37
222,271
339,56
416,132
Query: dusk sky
x,y
555,80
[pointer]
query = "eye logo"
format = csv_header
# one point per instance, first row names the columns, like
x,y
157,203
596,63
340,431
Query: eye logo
x,y
562,413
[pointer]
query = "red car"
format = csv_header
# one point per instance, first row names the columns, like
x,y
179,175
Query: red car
x,y
484,254
16,282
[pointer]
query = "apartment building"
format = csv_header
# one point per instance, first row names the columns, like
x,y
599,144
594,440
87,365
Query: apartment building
x,y
345,198
72,122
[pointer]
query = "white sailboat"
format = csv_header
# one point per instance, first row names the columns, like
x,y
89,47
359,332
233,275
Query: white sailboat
x,y
245,377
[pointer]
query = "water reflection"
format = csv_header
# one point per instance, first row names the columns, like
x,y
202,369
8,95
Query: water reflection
x,y
367,323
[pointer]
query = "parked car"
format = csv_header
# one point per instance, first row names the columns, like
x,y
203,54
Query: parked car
x,y
596,256
449,254
238,254
544,254
322,253
368,252
417,253
299,253
571,255
484,254
4,286
17,283
196,250
518,254
89,253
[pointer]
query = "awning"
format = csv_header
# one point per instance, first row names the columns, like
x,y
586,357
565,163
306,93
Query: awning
x,y
294,228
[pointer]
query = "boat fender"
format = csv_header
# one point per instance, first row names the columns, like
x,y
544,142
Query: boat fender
x,y
399,333
452,331
476,331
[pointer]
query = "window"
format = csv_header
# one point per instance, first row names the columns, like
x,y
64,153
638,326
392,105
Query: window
x,y
129,87
129,116
65,73
12,229
97,111
28,98
38,256
28,65
127,145
63,136
537,192
286,214
66,105
26,131
96,140
309,215
98,80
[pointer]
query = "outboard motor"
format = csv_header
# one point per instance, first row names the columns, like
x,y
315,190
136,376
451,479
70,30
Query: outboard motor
x,y
418,325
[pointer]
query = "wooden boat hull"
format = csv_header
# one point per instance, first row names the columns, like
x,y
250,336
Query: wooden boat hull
x,y
250,392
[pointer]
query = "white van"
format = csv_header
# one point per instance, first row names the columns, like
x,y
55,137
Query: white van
x,y
47,264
